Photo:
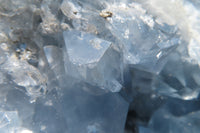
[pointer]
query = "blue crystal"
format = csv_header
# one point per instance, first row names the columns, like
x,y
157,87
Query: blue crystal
x,y
109,66
145,42
93,60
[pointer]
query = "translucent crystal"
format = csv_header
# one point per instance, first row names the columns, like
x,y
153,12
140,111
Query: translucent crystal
x,y
91,66
164,122
178,79
25,75
9,120
2,56
69,9
84,48
107,109
146,43
93,60
55,60
144,130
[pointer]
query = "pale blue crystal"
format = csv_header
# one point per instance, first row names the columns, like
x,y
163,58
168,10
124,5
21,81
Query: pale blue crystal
x,y
145,42
80,66
9,120
95,112
83,48
93,60
164,122
178,79
25,75
56,63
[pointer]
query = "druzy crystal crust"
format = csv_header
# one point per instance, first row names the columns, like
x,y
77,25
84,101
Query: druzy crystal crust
x,y
109,66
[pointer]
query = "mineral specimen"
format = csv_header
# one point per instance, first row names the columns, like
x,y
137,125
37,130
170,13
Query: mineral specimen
x,y
115,66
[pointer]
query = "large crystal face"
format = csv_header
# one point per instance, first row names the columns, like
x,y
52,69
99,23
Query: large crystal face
x,y
83,48
93,60
109,66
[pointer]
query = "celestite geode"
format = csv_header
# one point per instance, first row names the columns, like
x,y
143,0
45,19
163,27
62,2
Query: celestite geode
x,y
99,66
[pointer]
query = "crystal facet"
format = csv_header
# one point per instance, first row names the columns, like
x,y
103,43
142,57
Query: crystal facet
x,y
109,66
93,60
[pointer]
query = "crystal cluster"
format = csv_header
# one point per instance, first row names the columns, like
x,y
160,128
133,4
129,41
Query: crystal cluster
x,y
115,66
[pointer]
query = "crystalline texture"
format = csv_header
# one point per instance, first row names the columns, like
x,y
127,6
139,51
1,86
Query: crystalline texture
x,y
164,122
25,75
9,120
145,42
55,61
55,55
84,48
93,60
75,104
2,56
106,114
178,79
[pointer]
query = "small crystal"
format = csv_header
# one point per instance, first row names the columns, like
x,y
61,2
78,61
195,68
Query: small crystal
x,y
55,61
8,120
